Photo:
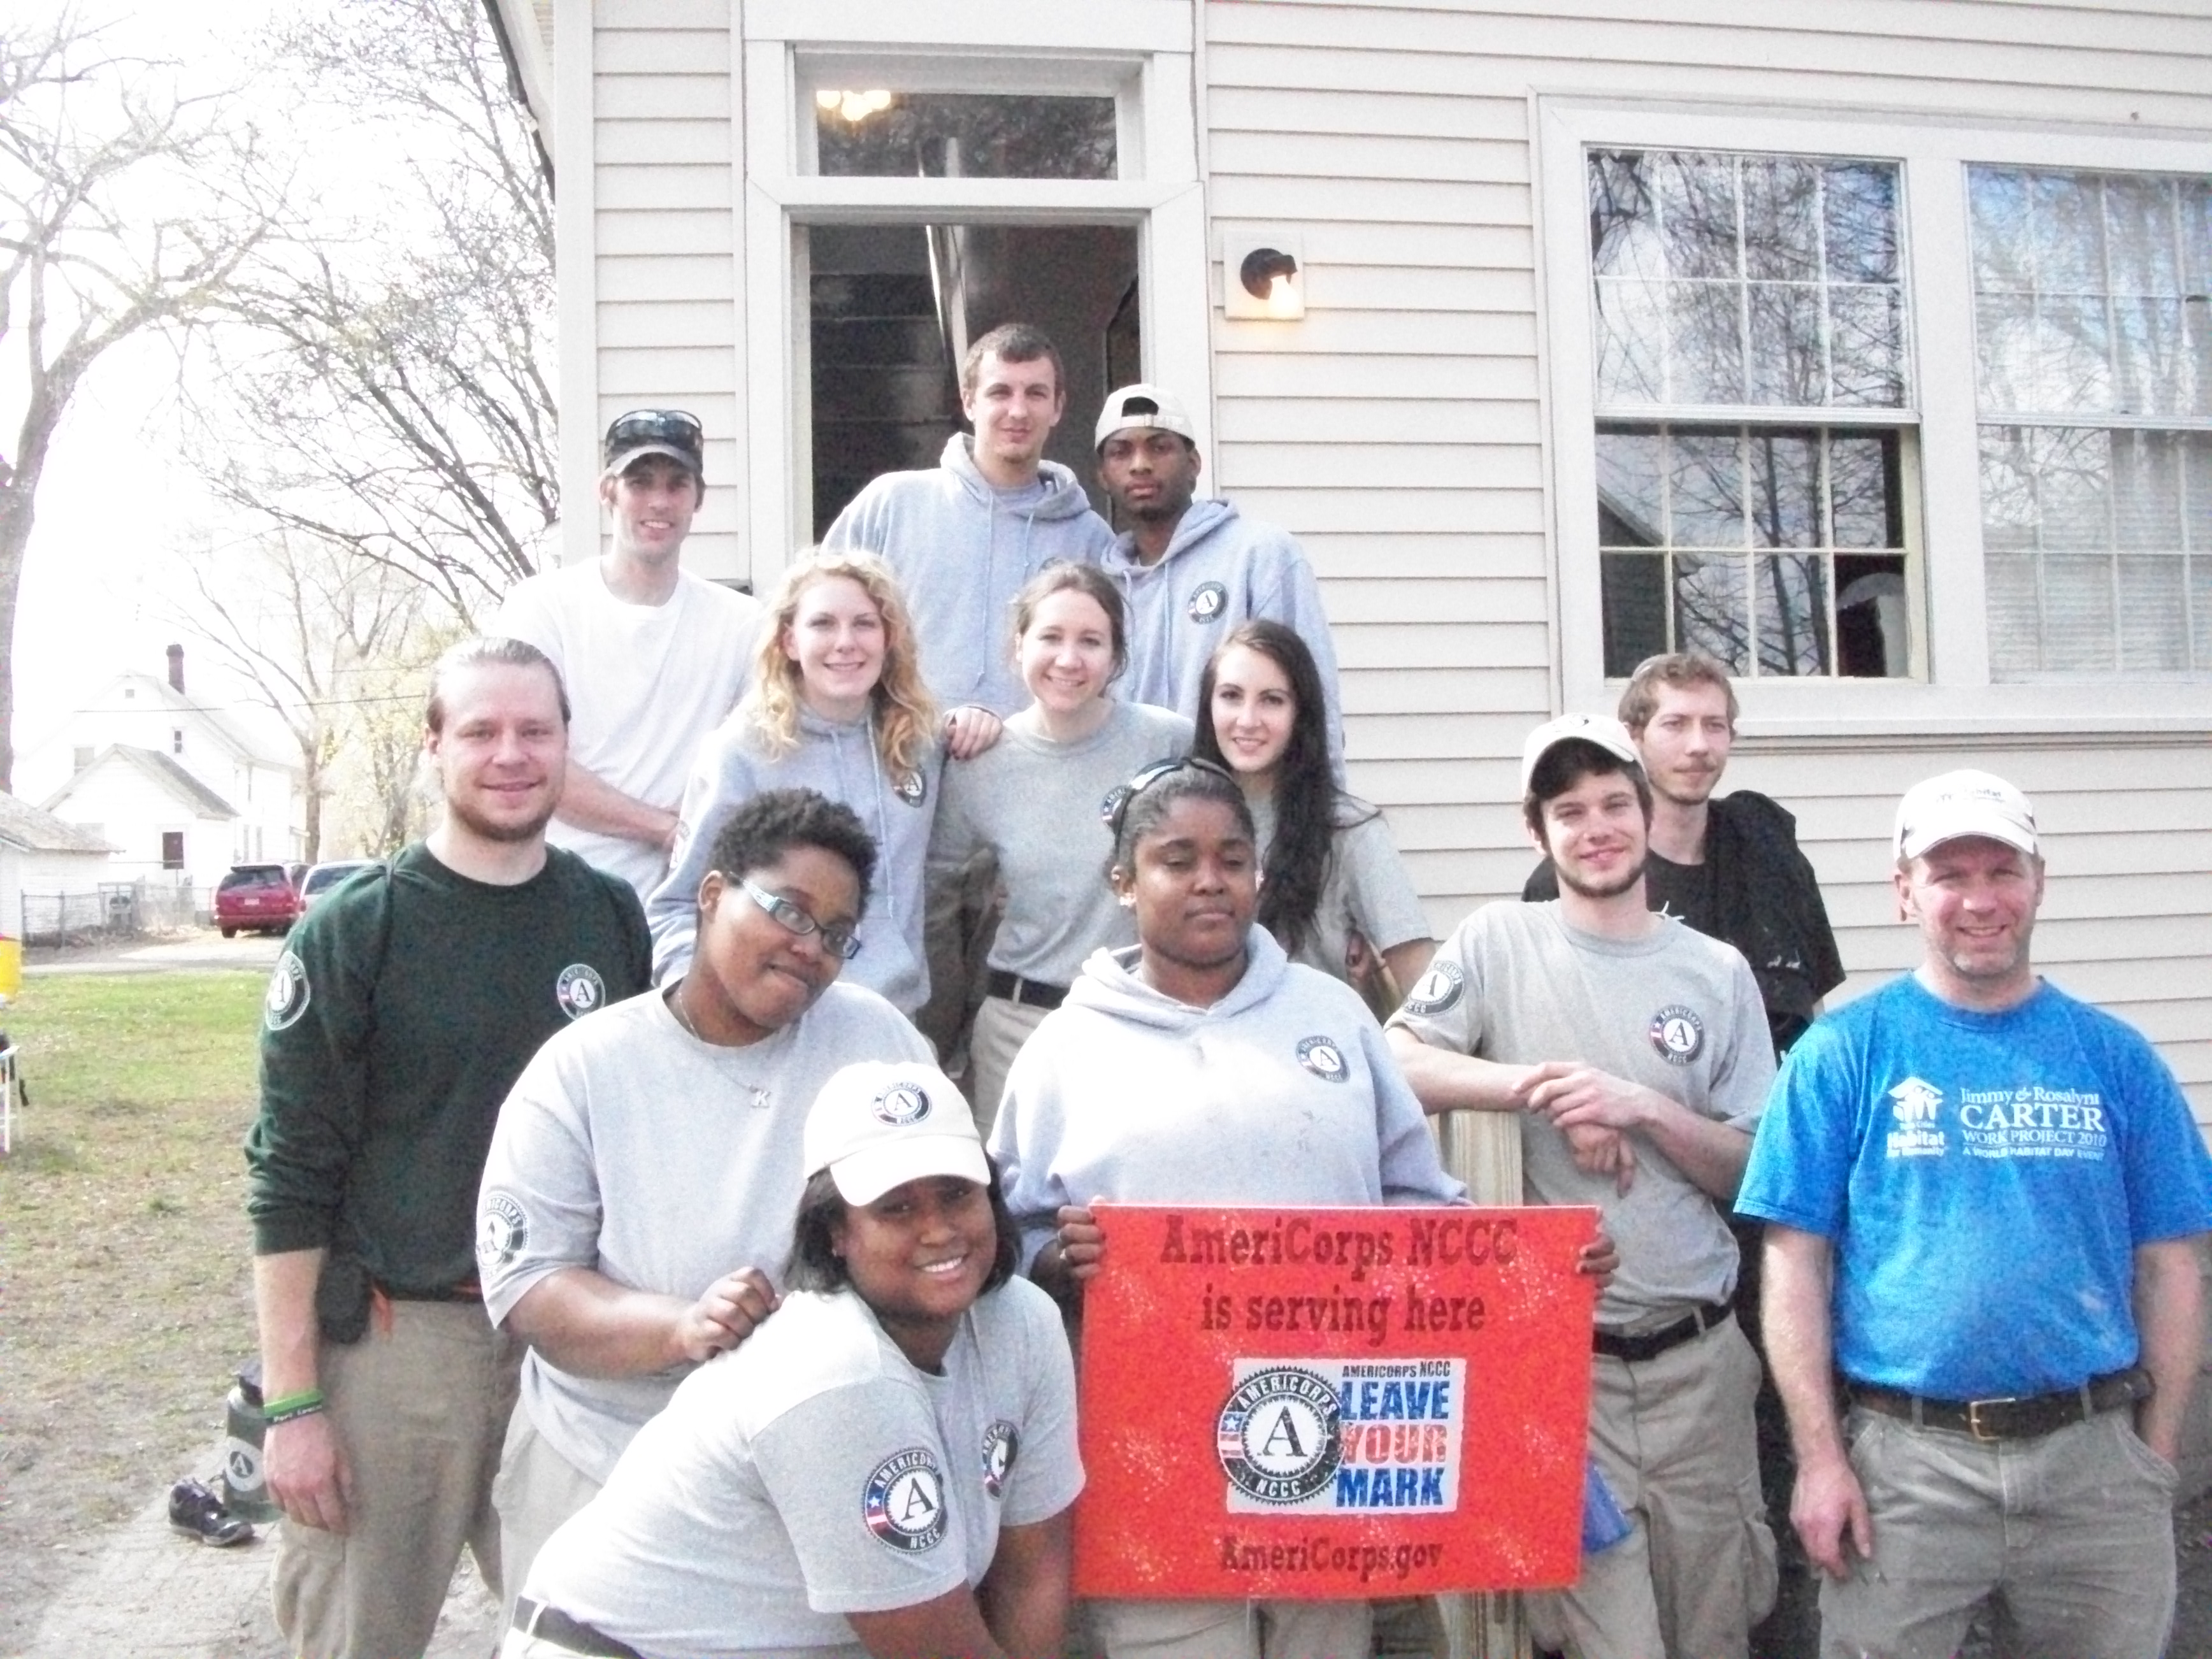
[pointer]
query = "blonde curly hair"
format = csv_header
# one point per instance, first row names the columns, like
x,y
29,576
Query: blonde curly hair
x,y
904,715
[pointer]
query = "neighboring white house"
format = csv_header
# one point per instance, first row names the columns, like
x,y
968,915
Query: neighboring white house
x,y
164,823
176,785
42,856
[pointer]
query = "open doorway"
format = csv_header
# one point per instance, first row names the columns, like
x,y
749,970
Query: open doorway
x,y
892,308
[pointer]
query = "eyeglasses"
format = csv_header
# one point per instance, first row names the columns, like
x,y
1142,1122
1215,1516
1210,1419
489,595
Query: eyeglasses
x,y
1151,774
839,942
655,426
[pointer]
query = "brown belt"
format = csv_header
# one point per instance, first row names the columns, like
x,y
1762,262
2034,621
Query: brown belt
x,y
2019,1418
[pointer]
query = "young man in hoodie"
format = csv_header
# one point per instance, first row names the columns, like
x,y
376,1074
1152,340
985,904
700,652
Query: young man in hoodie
x,y
964,537
1193,570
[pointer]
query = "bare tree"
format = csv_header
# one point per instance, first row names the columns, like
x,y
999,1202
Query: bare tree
x,y
321,637
395,365
125,207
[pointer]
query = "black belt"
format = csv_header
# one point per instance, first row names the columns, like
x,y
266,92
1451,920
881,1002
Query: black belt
x,y
1032,993
535,1618
2019,1418
1651,1344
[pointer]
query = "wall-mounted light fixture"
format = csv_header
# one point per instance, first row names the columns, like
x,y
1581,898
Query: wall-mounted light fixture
x,y
1263,275
854,107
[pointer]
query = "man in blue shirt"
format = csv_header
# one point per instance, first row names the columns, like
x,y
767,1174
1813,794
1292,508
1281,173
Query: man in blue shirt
x,y
1984,1201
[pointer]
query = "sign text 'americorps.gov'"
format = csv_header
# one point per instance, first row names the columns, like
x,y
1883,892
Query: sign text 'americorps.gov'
x,y
1334,1403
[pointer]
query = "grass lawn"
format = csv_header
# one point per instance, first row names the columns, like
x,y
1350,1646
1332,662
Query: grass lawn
x,y
125,1297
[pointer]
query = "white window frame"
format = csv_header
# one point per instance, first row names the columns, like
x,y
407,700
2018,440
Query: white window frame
x,y
1139,51
1953,693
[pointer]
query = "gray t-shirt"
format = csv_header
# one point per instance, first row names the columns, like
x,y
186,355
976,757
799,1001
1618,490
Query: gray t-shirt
x,y
1365,889
1674,1011
662,1162
814,1472
1041,806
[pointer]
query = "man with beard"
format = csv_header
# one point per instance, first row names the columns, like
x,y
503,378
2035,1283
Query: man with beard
x,y
1729,867
1635,1053
1195,571
400,1013
1726,865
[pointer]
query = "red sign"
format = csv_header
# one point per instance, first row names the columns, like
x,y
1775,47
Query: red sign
x,y
1334,1403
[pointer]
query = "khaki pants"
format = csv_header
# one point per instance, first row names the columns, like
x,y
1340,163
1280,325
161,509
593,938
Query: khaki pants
x,y
2068,1535
1674,1438
538,1489
1002,1025
1230,1630
419,1409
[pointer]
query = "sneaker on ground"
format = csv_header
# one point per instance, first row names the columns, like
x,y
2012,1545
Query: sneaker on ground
x,y
198,1513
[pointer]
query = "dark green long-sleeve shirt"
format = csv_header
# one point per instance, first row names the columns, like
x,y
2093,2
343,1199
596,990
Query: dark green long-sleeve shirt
x,y
403,1009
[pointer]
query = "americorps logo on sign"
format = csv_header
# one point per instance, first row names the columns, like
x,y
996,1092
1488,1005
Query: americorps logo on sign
x,y
1333,1437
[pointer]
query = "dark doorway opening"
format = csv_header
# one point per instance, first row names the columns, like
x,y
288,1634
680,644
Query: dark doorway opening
x,y
893,308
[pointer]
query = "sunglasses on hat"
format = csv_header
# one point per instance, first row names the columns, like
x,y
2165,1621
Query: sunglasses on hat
x,y
676,427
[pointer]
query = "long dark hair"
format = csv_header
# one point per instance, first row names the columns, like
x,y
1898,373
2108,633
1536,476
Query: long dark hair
x,y
813,1265
1307,808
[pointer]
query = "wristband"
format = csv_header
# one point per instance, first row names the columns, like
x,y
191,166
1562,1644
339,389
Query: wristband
x,y
305,1403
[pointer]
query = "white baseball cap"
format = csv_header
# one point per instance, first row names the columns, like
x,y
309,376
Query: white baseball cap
x,y
1964,803
1143,405
879,1124
1606,733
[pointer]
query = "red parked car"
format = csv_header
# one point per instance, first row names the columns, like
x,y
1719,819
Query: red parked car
x,y
256,897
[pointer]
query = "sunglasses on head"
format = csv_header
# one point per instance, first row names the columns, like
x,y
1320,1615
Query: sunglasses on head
x,y
655,426
1151,774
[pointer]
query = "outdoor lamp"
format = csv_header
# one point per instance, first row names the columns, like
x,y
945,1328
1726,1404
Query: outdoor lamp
x,y
1268,281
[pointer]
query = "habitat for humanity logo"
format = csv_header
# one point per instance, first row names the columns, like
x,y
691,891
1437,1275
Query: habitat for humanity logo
x,y
1335,1437
1915,1105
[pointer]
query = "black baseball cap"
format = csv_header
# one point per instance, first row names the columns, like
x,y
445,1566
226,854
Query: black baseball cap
x,y
675,432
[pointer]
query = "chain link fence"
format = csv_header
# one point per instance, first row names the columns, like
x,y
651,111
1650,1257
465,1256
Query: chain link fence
x,y
113,910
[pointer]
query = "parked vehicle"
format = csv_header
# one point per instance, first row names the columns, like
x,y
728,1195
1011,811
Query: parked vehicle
x,y
258,897
323,877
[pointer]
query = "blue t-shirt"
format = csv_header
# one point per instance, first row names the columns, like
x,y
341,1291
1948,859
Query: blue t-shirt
x,y
1985,1180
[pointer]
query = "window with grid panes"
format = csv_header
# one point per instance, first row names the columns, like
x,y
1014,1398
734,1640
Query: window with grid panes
x,y
1754,410
2093,337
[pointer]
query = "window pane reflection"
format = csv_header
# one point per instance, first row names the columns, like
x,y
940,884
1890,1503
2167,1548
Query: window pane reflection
x,y
1683,513
1722,279
2081,282
2098,548
959,135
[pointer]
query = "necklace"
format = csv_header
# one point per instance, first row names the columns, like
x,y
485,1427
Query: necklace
x,y
675,1001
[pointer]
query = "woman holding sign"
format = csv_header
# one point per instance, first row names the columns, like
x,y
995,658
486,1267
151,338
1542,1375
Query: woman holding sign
x,y
885,1469
1202,1066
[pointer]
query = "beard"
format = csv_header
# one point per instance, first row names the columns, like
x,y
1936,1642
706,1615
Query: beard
x,y
504,831
1595,890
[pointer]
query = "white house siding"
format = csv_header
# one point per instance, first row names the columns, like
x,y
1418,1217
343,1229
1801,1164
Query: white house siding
x,y
1400,428
658,223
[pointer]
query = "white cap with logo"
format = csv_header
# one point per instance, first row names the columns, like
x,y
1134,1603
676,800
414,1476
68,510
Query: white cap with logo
x,y
1606,733
1140,406
1964,803
879,1124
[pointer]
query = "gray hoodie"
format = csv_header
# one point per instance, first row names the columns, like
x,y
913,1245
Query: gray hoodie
x,y
961,550
838,760
1221,570
1281,1093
